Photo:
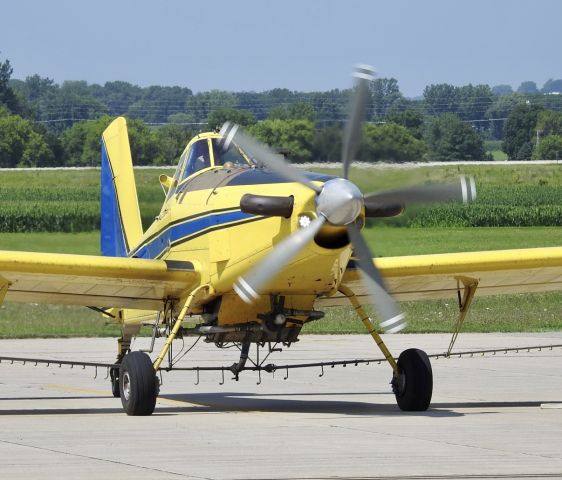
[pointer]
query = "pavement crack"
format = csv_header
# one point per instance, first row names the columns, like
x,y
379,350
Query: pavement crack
x,y
106,460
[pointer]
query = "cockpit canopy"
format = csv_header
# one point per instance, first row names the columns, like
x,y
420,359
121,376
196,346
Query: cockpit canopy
x,y
206,152
203,153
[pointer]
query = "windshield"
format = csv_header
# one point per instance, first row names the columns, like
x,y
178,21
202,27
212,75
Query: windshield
x,y
198,159
233,157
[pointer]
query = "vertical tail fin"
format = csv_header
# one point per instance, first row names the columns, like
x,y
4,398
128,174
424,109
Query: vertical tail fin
x,y
121,228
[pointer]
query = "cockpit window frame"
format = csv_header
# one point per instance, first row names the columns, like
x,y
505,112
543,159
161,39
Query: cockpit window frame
x,y
247,161
181,178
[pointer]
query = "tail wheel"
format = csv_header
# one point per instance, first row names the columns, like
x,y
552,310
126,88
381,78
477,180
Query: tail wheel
x,y
413,386
138,385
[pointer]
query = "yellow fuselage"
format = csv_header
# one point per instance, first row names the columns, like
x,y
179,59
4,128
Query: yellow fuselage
x,y
201,222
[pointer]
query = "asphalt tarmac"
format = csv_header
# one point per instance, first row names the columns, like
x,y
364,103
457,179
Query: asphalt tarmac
x,y
492,416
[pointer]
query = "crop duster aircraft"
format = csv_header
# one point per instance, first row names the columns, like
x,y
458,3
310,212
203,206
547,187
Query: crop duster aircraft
x,y
252,249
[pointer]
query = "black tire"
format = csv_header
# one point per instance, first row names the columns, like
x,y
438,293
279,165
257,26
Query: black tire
x,y
114,373
138,385
414,385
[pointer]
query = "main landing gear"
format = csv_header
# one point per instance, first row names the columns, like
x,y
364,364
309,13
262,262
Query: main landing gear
x,y
413,384
134,380
138,384
412,377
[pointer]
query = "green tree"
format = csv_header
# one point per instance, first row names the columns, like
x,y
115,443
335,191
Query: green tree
x,y
411,119
294,111
81,143
158,103
392,143
276,97
118,96
441,98
528,87
502,90
452,139
549,148
474,100
202,104
21,145
146,148
173,139
241,117
181,119
499,111
552,86
525,152
293,137
330,107
63,106
384,93
8,97
549,123
327,144
520,128
35,87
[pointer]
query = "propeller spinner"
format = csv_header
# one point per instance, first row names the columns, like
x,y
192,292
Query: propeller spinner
x,y
339,202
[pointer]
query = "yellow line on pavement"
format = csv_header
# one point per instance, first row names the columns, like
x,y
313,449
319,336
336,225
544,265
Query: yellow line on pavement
x,y
105,393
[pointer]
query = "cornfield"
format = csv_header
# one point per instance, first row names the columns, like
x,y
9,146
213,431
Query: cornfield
x,y
75,207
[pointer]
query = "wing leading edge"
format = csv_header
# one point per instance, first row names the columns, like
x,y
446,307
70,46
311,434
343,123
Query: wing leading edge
x,y
422,277
91,280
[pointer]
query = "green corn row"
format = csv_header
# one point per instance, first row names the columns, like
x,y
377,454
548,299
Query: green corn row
x,y
49,194
67,208
56,216
481,215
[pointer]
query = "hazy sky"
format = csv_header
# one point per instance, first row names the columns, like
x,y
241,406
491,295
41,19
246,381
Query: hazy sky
x,y
297,44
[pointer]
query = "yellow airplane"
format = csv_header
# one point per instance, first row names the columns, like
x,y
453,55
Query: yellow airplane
x,y
249,249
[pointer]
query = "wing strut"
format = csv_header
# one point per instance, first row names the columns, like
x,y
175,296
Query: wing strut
x,y
4,285
469,289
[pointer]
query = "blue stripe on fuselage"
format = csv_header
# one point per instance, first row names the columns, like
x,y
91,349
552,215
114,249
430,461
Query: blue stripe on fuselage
x,y
186,230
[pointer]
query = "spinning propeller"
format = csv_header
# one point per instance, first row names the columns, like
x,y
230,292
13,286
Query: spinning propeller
x,y
339,202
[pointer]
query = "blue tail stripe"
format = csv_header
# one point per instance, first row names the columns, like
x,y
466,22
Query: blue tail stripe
x,y
112,237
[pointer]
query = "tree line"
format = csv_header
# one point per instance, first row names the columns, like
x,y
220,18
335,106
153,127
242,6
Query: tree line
x,y
46,124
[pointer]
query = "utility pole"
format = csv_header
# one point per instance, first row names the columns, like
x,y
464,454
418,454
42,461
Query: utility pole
x,y
538,138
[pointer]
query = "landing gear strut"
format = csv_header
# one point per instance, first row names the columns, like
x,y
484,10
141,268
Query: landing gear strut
x,y
412,378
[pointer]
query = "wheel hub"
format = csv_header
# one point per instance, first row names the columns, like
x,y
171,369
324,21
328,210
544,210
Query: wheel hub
x,y
398,384
126,385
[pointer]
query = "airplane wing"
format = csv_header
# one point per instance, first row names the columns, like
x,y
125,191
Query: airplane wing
x,y
421,277
91,280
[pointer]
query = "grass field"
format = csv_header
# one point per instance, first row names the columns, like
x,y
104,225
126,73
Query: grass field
x,y
494,147
531,312
509,195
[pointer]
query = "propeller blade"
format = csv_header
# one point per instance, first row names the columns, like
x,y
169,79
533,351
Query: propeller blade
x,y
248,287
352,135
465,190
263,154
392,319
